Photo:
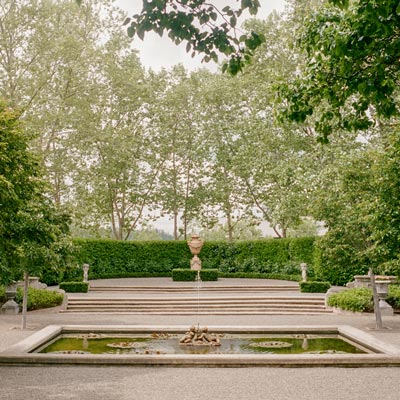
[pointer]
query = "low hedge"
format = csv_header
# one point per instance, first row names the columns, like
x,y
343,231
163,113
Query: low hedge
x,y
185,274
357,300
259,275
39,298
314,287
394,296
75,287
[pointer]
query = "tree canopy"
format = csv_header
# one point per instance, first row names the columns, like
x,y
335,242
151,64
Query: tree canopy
x,y
352,69
33,234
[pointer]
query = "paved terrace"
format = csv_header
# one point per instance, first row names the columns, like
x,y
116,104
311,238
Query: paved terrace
x,y
120,383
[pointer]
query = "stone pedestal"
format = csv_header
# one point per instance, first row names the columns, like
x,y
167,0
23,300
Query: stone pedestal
x,y
386,309
10,307
382,288
195,264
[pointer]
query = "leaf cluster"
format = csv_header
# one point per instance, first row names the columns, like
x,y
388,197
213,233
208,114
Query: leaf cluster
x,y
205,28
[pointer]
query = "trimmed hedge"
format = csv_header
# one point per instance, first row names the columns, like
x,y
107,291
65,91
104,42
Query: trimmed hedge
x,y
357,300
258,275
75,287
185,274
112,258
39,298
314,287
394,296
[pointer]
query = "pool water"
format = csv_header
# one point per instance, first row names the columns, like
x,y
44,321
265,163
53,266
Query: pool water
x,y
230,344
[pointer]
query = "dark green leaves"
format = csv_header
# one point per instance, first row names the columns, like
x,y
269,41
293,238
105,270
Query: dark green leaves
x,y
204,28
351,64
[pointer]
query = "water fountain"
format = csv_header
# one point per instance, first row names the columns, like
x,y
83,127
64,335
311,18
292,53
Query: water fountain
x,y
197,336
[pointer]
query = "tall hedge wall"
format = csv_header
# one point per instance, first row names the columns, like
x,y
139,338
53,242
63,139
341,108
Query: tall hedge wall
x,y
110,258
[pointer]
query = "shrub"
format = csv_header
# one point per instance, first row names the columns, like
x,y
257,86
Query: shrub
x,y
394,296
209,274
359,299
314,287
75,287
3,297
39,298
185,274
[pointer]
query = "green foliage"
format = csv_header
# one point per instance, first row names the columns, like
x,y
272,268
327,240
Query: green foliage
x,y
2,295
314,287
198,24
258,275
75,287
352,66
33,233
359,206
185,274
357,300
39,298
393,297
108,258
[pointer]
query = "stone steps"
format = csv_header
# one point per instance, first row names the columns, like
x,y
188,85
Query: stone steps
x,y
193,289
234,305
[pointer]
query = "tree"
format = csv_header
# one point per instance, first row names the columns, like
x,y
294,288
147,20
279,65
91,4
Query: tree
x,y
179,120
33,235
47,53
242,230
116,150
203,26
352,71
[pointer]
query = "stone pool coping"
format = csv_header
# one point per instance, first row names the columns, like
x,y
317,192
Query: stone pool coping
x,y
384,354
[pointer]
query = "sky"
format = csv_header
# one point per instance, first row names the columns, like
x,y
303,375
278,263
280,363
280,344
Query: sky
x,y
156,52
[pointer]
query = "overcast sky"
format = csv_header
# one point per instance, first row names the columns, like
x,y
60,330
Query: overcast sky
x,y
156,52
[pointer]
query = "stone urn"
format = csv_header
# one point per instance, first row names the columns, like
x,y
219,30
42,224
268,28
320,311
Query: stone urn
x,y
195,244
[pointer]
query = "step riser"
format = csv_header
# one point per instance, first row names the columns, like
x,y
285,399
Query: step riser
x,y
261,312
169,305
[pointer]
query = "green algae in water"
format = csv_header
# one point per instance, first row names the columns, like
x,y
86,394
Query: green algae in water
x,y
331,345
229,345
95,345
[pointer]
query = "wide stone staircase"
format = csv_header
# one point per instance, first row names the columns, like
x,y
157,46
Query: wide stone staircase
x,y
191,300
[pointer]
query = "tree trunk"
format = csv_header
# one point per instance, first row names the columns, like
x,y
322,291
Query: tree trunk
x,y
229,226
25,300
176,233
